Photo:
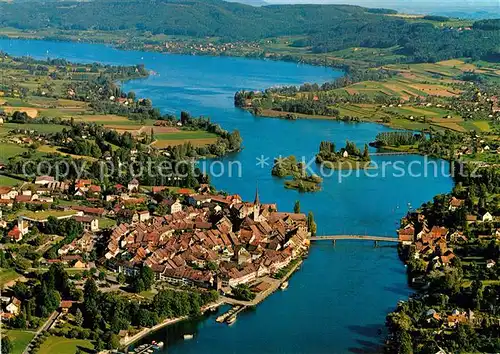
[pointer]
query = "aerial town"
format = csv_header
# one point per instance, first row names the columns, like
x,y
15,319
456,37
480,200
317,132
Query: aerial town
x,y
205,239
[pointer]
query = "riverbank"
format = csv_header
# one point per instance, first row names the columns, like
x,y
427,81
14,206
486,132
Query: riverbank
x,y
275,284
146,331
223,300
323,277
166,44
397,123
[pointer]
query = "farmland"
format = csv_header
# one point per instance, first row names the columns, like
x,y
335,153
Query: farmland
x,y
196,138
413,96
7,275
9,181
19,340
8,150
62,345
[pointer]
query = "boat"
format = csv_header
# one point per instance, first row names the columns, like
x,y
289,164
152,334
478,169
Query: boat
x,y
188,336
284,285
221,319
231,320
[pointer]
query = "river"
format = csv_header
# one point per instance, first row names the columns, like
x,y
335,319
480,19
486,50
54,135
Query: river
x,y
338,300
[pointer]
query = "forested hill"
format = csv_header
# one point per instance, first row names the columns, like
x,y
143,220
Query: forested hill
x,y
323,28
198,18
250,2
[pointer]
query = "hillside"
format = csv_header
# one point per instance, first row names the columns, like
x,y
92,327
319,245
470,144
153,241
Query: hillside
x,y
198,18
250,2
318,29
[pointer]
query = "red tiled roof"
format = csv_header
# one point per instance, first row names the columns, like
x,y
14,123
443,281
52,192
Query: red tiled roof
x,y
15,233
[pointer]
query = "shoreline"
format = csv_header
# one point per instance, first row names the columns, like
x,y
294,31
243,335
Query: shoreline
x,y
264,54
149,330
224,301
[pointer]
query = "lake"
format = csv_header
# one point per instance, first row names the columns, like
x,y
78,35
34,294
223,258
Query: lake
x,y
338,300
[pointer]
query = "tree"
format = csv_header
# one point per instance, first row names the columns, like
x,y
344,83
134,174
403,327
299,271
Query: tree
x,y
90,304
296,207
366,155
6,345
405,345
19,321
311,224
121,278
79,317
243,292
148,277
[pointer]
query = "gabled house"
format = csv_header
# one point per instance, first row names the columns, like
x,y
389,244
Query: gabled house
x,y
44,180
14,307
176,207
133,185
487,217
89,223
8,193
455,204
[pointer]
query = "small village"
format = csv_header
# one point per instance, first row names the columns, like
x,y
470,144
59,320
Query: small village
x,y
444,257
194,239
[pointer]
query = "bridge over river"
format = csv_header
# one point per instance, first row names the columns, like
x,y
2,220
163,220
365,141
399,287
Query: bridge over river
x,y
335,238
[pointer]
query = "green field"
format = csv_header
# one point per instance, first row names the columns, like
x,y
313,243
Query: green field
x,y
9,181
8,150
42,128
62,345
7,275
43,215
479,126
185,135
105,223
196,138
19,340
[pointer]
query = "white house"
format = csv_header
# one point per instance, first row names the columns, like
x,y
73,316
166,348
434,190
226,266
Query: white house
x,y
14,307
133,185
143,215
8,193
176,207
487,217
44,180
89,223
490,263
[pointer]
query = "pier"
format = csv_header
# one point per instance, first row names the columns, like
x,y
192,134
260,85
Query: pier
x,y
145,348
231,315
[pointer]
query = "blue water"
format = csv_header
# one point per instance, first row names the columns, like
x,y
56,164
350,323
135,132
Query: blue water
x,y
338,300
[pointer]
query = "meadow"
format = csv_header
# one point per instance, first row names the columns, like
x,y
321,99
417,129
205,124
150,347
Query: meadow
x,y
61,345
8,150
19,340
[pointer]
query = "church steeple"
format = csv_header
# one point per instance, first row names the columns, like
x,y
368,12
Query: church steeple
x,y
256,206
257,199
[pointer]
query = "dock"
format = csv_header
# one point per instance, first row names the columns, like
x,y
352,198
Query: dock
x,y
143,349
231,315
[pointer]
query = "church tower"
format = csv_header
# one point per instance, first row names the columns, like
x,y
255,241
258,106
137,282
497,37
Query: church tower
x,y
256,205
